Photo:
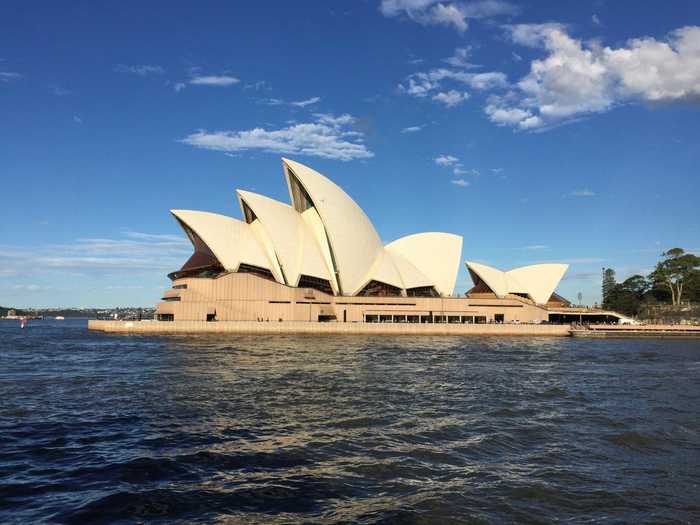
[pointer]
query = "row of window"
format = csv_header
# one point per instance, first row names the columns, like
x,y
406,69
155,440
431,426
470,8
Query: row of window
x,y
407,318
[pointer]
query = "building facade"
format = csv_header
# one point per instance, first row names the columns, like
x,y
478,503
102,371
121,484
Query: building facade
x,y
320,259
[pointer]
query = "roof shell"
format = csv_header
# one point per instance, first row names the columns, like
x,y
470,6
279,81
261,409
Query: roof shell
x,y
537,280
292,239
230,240
353,241
435,254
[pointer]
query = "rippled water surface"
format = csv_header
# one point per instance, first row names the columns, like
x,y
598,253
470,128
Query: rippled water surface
x,y
97,428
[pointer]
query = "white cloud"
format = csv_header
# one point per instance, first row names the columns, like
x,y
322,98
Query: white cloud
x,y
328,137
411,129
445,160
582,193
9,76
179,86
577,78
60,91
432,83
77,119
214,80
460,58
307,102
451,98
536,247
141,70
596,20
460,182
446,13
134,250
298,104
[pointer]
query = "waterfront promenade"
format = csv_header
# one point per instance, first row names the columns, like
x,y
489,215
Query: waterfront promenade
x,y
306,327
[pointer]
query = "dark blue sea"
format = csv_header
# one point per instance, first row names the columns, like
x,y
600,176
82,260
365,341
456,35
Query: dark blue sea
x,y
99,428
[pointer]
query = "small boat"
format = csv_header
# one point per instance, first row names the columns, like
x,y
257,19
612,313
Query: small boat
x,y
59,318
22,322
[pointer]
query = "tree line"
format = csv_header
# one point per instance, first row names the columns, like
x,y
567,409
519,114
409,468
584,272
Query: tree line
x,y
674,281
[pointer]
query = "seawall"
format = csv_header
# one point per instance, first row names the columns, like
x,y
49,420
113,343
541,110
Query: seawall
x,y
315,328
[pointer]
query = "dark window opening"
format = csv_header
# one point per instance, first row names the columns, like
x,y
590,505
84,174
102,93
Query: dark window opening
x,y
499,318
422,291
248,213
179,287
211,317
165,317
326,318
371,318
257,270
171,299
202,263
322,285
379,289
300,197
480,319
453,319
426,318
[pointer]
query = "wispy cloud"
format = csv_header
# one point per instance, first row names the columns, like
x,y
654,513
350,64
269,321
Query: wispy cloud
x,y
446,85
327,136
582,193
536,247
9,76
60,91
446,13
307,102
133,250
460,182
451,98
445,160
297,103
214,80
141,70
412,129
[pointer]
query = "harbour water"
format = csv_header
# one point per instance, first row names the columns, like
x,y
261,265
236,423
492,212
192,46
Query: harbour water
x,y
99,428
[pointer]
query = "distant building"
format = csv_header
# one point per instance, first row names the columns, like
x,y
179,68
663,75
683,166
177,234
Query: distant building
x,y
320,259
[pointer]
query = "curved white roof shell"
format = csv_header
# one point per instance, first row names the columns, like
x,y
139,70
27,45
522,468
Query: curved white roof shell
x,y
323,235
538,280
291,239
436,255
232,241
353,241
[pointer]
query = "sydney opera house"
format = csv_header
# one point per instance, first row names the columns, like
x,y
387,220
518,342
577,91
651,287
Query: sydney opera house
x,y
320,259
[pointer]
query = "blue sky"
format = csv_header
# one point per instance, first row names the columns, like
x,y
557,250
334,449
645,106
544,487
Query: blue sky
x,y
540,131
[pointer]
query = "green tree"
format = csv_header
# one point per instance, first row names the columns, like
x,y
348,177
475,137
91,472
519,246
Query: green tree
x,y
675,271
608,285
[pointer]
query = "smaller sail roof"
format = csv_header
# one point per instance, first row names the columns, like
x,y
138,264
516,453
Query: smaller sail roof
x,y
538,280
231,241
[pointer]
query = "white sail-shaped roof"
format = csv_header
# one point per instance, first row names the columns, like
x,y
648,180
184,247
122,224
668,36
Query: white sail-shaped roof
x,y
538,280
353,241
436,255
230,240
291,238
